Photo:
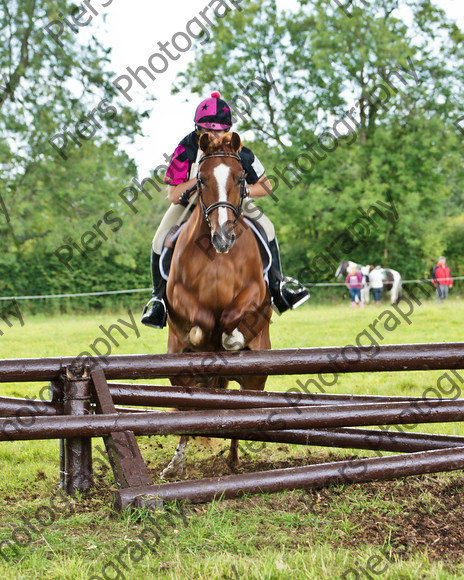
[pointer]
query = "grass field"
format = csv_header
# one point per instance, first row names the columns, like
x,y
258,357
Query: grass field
x,y
410,528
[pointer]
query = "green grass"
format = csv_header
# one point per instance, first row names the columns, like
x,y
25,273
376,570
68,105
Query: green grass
x,y
314,534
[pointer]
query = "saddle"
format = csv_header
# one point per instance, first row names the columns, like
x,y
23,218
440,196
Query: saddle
x,y
173,234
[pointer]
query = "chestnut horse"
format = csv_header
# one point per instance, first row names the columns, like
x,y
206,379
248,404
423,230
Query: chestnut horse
x,y
217,296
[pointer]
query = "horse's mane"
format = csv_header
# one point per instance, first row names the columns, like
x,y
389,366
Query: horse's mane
x,y
229,143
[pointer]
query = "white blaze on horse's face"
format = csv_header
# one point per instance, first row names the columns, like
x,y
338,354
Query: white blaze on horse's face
x,y
221,173
340,270
223,237
343,268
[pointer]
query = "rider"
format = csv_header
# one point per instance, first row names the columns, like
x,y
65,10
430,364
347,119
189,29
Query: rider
x,y
213,116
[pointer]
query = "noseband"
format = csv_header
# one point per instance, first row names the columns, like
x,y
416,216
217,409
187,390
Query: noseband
x,y
237,209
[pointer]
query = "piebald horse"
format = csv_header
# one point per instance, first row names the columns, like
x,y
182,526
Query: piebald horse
x,y
392,280
217,297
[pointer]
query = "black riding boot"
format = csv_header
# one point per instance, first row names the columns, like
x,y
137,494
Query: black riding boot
x,y
155,312
283,296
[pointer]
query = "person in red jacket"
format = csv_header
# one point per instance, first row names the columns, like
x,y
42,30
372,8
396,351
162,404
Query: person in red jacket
x,y
441,279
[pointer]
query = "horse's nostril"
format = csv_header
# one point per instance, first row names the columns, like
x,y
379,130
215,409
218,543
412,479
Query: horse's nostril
x,y
228,233
221,242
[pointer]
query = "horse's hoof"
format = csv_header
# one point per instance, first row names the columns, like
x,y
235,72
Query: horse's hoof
x,y
168,473
234,341
233,463
172,471
196,336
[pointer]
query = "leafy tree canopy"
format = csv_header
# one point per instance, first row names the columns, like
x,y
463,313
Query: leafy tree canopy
x,y
369,95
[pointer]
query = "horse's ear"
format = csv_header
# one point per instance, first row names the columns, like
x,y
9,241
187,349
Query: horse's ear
x,y
205,142
236,142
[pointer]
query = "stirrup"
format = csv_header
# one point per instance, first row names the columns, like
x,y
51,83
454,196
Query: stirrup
x,y
294,297
157,316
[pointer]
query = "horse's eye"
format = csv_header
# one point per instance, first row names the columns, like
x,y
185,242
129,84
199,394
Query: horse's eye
x,y
202,180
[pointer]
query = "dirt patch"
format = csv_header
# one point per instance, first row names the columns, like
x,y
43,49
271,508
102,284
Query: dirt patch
x,y
421,513
409,515
413,514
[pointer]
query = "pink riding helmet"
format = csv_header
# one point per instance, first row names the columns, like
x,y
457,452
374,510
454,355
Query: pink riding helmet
x,y
213,113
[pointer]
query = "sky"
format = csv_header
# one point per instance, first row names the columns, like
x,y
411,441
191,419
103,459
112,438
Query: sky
x,y
132,30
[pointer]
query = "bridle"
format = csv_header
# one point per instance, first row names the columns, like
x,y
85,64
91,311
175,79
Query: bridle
x,y
237,209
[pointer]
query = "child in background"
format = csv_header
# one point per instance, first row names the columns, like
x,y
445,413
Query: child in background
x,y
354,284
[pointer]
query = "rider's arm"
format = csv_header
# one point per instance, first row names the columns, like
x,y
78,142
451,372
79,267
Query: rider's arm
x,y
258,184
175,191
261,188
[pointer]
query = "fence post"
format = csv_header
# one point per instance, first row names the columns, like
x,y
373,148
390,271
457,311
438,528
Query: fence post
x,y
76,452
127,463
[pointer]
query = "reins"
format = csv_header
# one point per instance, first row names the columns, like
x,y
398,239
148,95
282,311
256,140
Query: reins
x,y
237,209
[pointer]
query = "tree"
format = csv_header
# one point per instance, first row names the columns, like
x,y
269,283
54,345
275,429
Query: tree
x,y
61,165
360,111
55,89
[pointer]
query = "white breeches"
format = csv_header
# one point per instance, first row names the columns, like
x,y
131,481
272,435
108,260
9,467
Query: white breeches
x,y
177,214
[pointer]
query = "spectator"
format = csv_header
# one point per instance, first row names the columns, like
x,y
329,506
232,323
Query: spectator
x,y
354,284
441,279
376,278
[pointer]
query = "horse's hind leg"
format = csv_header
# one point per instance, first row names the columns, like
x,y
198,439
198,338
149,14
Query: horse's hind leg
x,y
232,460
176,465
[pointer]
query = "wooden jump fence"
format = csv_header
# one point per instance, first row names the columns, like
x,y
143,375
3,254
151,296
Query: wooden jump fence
x,y
82,406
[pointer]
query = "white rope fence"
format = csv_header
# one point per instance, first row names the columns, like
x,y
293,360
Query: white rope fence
x,y
402,282
73,295
134,290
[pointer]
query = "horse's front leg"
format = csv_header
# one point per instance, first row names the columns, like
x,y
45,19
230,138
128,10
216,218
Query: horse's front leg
x,y
244,320
365,293
187,307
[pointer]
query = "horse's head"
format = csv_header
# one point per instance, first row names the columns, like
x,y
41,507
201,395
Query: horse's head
x,y
342,269
221,187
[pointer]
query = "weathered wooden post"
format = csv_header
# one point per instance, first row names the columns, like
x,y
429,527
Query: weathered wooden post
x,y
76,452
123,451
